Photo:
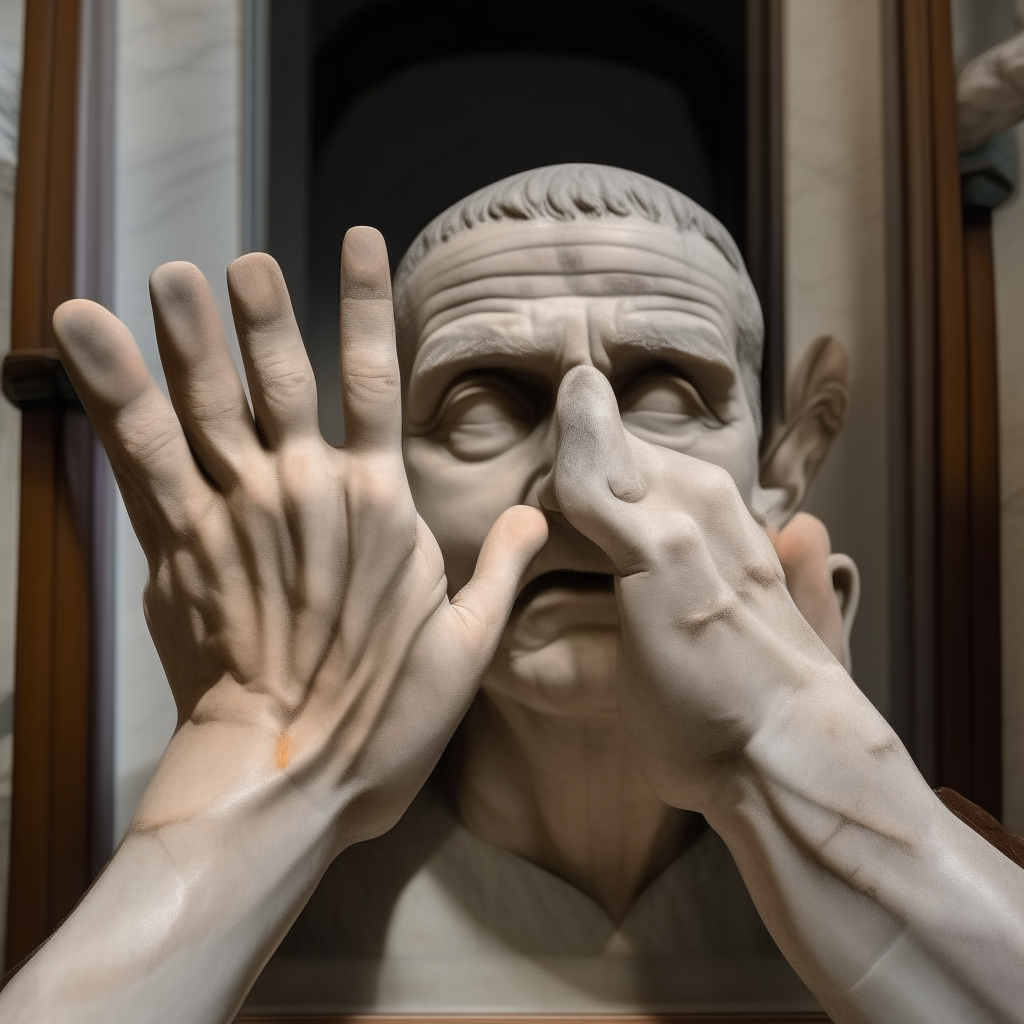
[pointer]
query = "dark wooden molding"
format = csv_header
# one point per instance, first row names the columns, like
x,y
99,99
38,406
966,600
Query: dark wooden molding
x,y
43,274
947,528
50,814
765,212
34,378
984,583
986,825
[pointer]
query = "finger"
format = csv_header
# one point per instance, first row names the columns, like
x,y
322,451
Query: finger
x,y
201,376
802,545
281,381
485,602
803,548
594,481
370,384
135,422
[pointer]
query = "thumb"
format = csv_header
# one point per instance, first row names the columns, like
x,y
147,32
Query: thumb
x,y
595,479
485,602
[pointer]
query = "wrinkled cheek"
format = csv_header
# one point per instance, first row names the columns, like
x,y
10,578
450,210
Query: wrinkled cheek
x,y
460,502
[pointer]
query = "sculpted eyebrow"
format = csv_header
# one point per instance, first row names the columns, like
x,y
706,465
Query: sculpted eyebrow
x,y
705,345
457,347
444,358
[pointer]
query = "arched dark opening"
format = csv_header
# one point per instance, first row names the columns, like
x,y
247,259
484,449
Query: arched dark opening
x,y
384,112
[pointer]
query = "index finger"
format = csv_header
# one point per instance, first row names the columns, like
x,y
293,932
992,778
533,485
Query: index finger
x,y
370,384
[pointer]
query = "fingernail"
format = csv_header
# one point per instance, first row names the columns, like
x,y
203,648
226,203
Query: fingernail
x,y
364,265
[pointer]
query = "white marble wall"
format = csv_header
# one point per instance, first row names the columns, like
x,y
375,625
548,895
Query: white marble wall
x,y
177,197
11,15
835,279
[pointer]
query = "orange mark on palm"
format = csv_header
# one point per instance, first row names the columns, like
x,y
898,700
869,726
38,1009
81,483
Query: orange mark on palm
x,y
282,752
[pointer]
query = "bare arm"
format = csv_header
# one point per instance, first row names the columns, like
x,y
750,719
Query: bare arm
x,y
300,609
888,906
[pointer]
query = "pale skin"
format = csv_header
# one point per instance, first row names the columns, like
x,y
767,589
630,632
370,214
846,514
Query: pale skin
x,y
278,564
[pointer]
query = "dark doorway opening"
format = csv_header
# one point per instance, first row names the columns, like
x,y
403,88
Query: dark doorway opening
x,y
385,113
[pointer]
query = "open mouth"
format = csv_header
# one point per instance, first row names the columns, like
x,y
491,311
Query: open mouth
x,y
565,578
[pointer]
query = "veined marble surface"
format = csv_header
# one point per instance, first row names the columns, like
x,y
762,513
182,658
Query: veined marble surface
x,y
177,195
835,280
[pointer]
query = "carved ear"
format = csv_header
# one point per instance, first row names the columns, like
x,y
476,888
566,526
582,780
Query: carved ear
x,y
817,399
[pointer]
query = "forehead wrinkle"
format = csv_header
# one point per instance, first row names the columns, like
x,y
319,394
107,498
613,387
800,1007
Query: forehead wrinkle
x,y
584,258
496,239
524,287
471,311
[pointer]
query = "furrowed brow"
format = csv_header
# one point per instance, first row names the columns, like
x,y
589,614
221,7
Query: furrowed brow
x,y
701,343
463,344
446,355
685,346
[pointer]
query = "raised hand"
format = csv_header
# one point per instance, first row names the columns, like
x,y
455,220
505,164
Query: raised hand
x,y
710,638
300,608
297,601
888,906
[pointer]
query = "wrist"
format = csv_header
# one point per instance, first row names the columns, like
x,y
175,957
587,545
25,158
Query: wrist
x,y
225,779
824,767
221,886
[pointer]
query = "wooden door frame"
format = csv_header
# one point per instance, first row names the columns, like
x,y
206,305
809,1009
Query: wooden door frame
x,y
51,806
945,407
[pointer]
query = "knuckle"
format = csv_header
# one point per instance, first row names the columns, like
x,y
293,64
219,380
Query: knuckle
x,y
719,485
762,571
208,407
302,472
146,439
285,380
257,491
372,382
680,544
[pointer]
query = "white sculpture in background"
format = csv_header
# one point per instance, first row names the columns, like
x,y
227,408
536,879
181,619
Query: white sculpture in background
x,y
990,92
580,397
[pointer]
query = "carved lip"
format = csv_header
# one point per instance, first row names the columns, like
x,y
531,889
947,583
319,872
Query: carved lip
x,y
566,579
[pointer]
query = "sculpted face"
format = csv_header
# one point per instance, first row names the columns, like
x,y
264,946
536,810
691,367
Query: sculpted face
x,y
498,315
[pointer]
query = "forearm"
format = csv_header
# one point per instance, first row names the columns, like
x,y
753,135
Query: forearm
x,y
888,906
182,920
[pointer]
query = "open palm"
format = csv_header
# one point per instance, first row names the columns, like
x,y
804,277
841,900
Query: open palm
x,y
298,602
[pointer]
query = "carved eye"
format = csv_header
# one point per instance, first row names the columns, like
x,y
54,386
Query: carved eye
x,y
481,418
664,404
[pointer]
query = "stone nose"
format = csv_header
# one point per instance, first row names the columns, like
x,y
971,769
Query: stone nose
x,y
590,449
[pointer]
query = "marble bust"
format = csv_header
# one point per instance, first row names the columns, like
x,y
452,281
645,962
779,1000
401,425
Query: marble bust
x,y
552,469
496,300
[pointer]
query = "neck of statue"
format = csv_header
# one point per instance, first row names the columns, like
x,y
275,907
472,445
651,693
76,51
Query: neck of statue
x,y
564,792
